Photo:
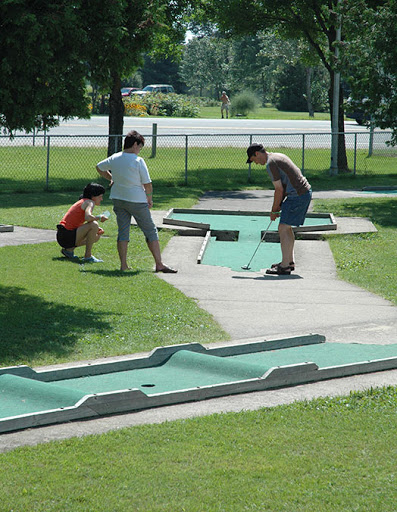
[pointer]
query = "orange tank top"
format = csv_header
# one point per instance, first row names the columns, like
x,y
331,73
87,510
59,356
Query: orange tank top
x,y
75,216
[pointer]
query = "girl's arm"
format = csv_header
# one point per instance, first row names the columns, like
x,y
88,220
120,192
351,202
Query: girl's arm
x,y
88,206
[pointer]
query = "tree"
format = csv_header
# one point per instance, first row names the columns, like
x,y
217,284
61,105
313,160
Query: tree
x,y
50,47
370,54
206,63
41,69
293,56
162,71
315,21
119,33
249,70
194,69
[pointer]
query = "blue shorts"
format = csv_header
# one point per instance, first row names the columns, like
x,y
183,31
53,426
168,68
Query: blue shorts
x,y
294,209
124,210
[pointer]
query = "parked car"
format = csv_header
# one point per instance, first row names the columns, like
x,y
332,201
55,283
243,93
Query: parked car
x,y
153,88
127,91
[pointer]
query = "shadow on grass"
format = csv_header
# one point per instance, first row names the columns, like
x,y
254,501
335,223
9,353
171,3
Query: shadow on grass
x,y
381,210
31,326
43,199
322,180
112,273
75,260
164,196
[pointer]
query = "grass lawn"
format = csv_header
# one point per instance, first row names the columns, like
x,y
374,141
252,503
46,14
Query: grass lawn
x,y
56,310
325,455
368,260
266,113
328,454
23,169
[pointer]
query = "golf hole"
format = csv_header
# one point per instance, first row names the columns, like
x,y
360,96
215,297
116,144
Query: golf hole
x,y
148,385
225,235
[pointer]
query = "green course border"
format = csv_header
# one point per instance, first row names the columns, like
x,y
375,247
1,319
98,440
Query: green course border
x,y
129,400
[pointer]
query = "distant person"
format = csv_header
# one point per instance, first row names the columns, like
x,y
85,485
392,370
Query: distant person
x,y
132,196
225,104
79,226
292,195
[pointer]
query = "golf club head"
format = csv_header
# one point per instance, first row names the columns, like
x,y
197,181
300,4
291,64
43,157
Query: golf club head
x,y
246,267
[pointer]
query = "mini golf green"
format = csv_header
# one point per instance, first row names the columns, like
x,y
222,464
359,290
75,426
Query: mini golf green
x,y
184,374
243,232
383,192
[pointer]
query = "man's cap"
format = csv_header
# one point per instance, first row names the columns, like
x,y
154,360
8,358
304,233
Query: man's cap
x,y
252,150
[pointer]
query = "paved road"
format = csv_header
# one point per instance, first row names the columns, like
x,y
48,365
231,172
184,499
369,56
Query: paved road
x,y
211,133
98,125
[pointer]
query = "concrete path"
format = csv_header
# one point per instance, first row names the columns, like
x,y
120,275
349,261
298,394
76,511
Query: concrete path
x,y
251,306
21,236
311,300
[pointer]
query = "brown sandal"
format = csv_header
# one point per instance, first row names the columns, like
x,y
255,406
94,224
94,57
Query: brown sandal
x,y
278,270
291,265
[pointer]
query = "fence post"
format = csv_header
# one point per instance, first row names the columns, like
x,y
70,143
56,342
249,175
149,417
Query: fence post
x,y
47,180
371,138
355,154
186,155
154,140
303,153
249,165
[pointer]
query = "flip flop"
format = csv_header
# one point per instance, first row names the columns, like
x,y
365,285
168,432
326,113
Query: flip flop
x,y
167,270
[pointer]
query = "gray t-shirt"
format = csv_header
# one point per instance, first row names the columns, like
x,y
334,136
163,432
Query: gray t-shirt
x,y
281,167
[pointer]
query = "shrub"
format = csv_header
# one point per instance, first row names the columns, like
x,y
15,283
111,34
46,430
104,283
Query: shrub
x,y
100,105
172,105
134,108
244,102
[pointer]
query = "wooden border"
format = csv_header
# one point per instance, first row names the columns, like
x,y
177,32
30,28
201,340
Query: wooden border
x,y
167,219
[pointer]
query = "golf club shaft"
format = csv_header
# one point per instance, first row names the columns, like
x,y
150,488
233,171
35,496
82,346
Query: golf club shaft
x,y
261,240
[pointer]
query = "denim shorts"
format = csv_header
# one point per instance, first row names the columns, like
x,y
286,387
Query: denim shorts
x,y
124,210
294,209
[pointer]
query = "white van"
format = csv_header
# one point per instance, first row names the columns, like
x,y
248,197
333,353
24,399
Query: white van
x,y
164,88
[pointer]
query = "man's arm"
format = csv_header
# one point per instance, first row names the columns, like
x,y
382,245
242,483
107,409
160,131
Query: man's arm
x,y
277,199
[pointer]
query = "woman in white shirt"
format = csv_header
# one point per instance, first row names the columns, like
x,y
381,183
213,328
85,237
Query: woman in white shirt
x,y
132,196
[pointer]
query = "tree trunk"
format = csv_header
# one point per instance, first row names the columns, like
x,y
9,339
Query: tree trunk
x,y
342,157
309,73
116,117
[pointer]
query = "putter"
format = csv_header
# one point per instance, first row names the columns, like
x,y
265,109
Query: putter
x,y
247,267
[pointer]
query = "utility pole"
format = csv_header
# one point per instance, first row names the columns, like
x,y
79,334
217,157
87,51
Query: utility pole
x,y
335,107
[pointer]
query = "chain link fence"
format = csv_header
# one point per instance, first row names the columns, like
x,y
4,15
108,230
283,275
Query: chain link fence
x,y
59,162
